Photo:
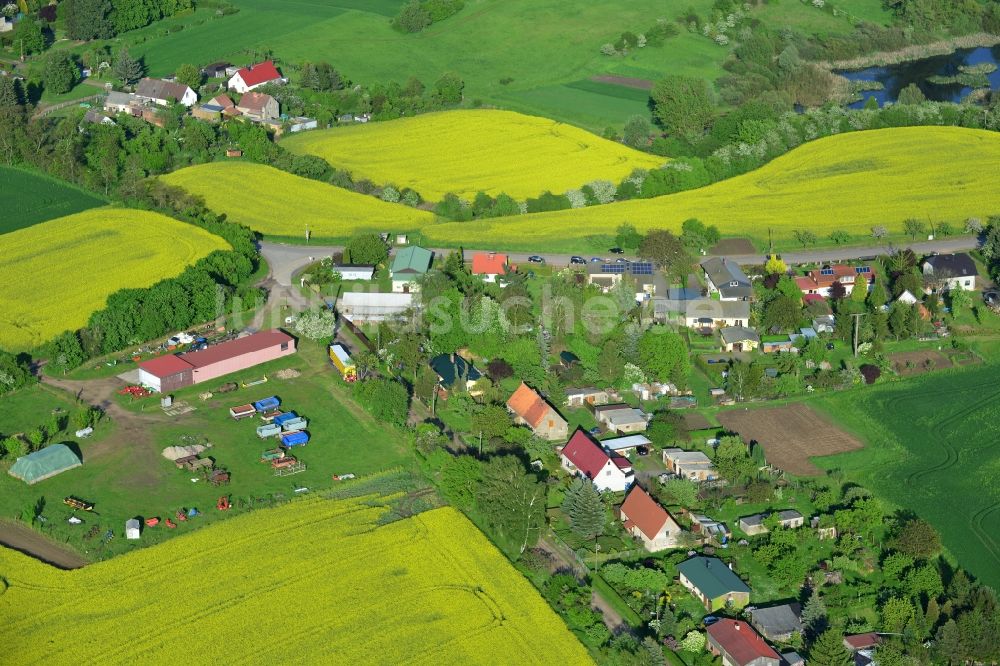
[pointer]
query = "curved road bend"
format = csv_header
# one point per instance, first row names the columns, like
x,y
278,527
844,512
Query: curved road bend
x,y
284,259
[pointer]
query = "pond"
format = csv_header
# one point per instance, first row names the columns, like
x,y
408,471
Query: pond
x,y
896,77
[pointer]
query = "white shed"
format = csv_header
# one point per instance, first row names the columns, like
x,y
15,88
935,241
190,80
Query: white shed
x,y
132,528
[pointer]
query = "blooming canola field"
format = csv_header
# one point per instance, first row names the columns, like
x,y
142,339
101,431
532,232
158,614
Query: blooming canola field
x,y
848,182
313,581
56,273
464,152
277,203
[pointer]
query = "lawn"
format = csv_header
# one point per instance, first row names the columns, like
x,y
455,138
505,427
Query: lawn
x,y
67,267
931,448
315,580
28,198
125,475
848,182
277,203
519,54
466,151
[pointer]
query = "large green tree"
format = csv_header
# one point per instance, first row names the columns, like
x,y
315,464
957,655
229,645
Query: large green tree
x,y
829,650
667,251
683,105
662,355
365,249
512,500
87,19
585,509
126,68
61,72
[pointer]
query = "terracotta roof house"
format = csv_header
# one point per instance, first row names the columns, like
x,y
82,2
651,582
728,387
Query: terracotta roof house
x,y
957,270
489,265
258,106
778,623
726,278
715,584
587,458
248,78
529,408
819,280
408,265
165,93
739,645
648,521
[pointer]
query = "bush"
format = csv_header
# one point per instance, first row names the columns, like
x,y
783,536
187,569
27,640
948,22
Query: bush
x,y
870,373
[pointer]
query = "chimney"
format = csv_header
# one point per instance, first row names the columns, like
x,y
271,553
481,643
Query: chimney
x,y
453,358
736,625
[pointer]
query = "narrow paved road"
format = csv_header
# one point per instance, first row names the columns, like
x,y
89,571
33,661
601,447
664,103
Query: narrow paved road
x,y
285,260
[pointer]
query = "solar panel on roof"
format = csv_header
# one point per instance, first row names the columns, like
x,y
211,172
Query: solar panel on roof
x,y
826,271
642,268
613,268
864,269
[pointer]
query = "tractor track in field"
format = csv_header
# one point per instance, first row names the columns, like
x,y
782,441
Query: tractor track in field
x,y
976,524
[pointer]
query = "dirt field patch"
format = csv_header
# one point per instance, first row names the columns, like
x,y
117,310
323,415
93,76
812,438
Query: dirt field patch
x,y
917,362
790,435
641,84
30,542
696,421
734,246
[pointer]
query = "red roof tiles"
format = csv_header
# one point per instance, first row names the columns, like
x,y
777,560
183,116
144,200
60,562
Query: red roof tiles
x,y
489,264
257,74
527,404
586,454
165,366
741,642
642,511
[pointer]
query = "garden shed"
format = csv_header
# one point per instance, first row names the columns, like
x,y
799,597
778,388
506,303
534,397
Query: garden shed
x,y
45,463
132,528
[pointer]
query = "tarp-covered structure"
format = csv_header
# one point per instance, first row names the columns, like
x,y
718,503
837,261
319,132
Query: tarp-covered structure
x,y
42,464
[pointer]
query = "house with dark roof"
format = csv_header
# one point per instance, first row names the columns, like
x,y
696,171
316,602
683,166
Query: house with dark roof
x,y
857,642
254,76
585,457
726,278
451,368
778,623
713,583
165,93
951,270
408,266
738,338
215,70
738,644
531,409
643,275
649,522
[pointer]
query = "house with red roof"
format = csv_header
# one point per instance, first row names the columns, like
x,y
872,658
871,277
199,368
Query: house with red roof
x,y
489,265
740,645
648,521
248,78
531,409
819,281
585,457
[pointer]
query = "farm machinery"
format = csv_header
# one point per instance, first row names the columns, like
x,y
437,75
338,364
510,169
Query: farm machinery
x,y
79,504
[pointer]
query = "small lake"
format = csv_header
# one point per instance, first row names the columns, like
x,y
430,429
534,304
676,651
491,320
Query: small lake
x,y
896,77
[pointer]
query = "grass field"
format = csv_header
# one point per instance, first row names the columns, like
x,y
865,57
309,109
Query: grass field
x,y
58,272
125,475
466,151
29,198
556,42
847,182
931,447
312,581
276,203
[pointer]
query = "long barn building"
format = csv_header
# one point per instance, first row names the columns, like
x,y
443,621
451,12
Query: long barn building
x,y
169,373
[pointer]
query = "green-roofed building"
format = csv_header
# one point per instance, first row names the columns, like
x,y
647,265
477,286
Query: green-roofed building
x,y
42,464
407,266
713,583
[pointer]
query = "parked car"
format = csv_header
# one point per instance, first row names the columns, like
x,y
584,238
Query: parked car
x,y
616,250
535,259
596,260
577,260
622,260
642,450
595,431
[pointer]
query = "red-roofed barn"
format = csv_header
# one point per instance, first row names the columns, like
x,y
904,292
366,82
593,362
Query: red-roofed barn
x,y
165,373
740,645
248,78
583,456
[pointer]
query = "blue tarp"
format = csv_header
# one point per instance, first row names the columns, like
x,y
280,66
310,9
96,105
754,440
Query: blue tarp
x,y
284,418
295,438
266,404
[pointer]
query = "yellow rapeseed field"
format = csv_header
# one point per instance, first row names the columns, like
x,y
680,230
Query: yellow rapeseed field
x,y
848,182
467,151
55,274
312,582
277,203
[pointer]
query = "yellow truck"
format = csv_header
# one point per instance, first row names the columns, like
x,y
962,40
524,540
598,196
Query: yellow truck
x,y
342,361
